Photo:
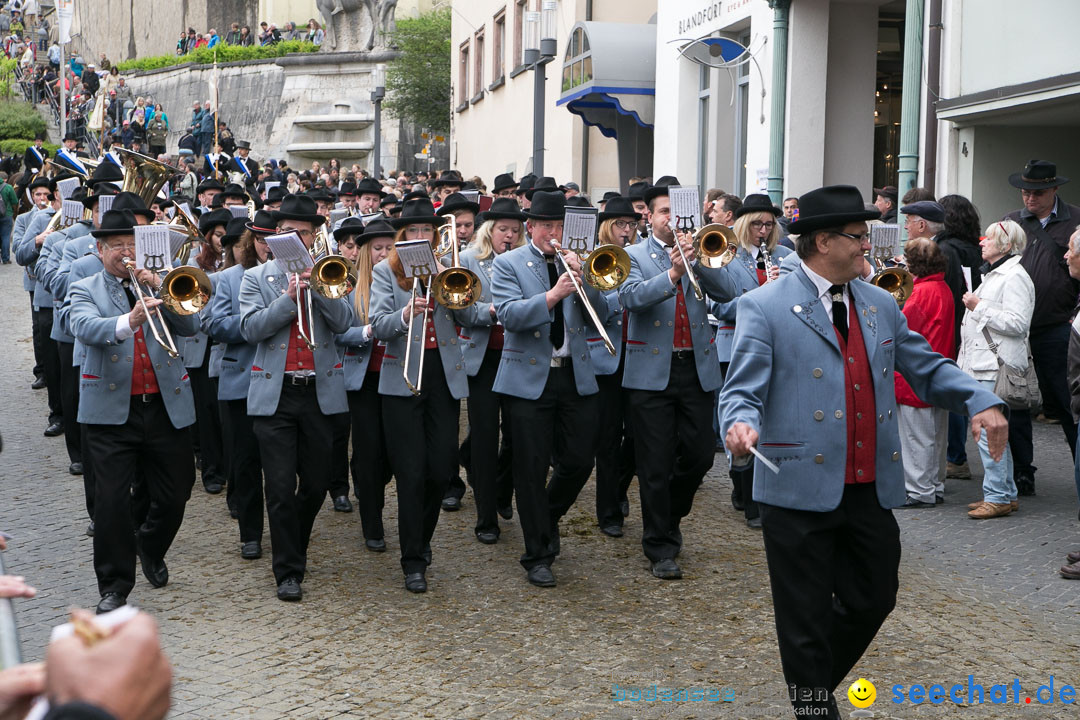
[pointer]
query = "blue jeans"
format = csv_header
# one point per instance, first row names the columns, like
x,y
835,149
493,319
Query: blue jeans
x,y
6,224
999,485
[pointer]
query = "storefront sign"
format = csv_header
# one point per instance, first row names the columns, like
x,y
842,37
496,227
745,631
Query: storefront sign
x,y
712,16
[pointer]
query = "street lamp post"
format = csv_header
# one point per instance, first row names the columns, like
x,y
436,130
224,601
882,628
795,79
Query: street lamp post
x,y
377,95
538,30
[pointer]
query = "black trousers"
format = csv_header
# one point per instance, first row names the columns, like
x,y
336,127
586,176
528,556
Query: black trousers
x,y
146,443
295,441
246,477
50,361
339,461
674,446
39,356
485,409
504,470
614,450
370,463
1049,350
88,476
560,425
206,432
422,433
834,581
69,401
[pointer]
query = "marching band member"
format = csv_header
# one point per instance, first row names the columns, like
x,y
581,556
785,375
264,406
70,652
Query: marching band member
x,y
370,465
294,390
758,234
614,444
205,193
368,195
502,229
241,163
422,429
671,372
142,428
504,186
547,376
223,325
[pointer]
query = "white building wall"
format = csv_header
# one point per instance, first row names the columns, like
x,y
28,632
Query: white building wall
x,y
808,58
849,97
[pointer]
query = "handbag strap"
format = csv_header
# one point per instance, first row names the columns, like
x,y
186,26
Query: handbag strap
x,y
993,345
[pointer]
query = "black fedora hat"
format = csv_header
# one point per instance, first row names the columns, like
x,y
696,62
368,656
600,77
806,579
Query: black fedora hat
x,y
116,222
369,186
233,231
417,211
70,135
547,205
389,199
319,195
448,177
375,229
758,202
129,201
619,207
209,184
414,195
263,223
660,187
831,206
609,195
350,227
578,201
503,208
889,191
347,189
42,182
106,172
504,181
544,184
457,201
243,145
275,194
636,191
212,219
526,184
299,207
1036,175
236,191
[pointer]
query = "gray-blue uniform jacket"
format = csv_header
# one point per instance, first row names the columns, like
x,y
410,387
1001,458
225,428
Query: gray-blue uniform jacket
x,y
356,349
222,320
739,279
388,299
786,380
519,283
266,317
604,363
476,321
48,270
27,252
18,229
84,267
650,297
105,389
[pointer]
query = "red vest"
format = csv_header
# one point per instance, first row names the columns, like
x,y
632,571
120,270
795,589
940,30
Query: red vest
x,y
299,357
860,407
495,339
683,339
375,364
431,341
143,379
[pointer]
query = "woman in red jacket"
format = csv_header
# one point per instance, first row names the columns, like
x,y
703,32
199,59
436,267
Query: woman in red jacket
x,y
924,429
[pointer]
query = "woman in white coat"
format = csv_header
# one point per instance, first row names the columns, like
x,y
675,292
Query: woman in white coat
x,y
1001,306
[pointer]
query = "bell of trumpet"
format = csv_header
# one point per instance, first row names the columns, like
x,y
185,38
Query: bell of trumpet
x,y
185,290
896,281
333,277
455,288
607,267
715,245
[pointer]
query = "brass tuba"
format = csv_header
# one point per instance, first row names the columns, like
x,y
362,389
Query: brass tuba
x,y
144,175
715,245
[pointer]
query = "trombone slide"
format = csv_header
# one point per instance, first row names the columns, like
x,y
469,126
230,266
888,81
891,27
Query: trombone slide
x,y
690,274
163,337
585,301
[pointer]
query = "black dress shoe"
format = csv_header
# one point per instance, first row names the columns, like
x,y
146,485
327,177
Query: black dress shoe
x,y
251,550
54,429
624,508
213,487
666,569
157,574
39,383
736,500
541,576
506,512
375,544
342,504
488,538
451,503
415,583
913,503
110,601
426,555
754,523
612,530
1025,484
233,512
75,468
289,590
90,529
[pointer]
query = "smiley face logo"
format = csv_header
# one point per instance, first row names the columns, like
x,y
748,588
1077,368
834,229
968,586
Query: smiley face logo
x,y
862,693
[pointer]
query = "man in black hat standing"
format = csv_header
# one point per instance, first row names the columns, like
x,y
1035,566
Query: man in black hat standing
x,y
206,191
885,201
1048,221
448,183
504,186
241,163
35,155
368,194
825,417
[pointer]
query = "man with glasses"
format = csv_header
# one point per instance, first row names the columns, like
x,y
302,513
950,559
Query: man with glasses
x,y
810,389
1048,221
293,392
136,403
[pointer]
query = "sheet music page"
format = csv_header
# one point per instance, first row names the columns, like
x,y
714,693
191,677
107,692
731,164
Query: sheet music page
x,y
886,239
153,250
370,217
70,213
269,184
417,258
579,230
184,207
685,204
290,253
177,238
337,215
471,195
104,204
239,211
66,187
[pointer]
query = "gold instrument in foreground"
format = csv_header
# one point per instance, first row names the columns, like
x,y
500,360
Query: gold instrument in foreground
x,y
715,245
606,267
184,291
896,281
456,287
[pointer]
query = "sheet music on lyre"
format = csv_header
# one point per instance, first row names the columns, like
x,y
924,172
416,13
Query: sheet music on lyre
x,y
66,187
337,215
269,184
290,253
104,204
885,240
177,238
370,217
471,195
70,212
239,211
153,247
417,258
579,230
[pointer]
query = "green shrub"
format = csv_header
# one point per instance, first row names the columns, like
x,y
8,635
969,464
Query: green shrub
x,y
19,120
7,76
225,53
18,147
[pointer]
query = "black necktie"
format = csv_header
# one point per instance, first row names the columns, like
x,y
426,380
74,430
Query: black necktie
x,y
130,295
558,329
839,312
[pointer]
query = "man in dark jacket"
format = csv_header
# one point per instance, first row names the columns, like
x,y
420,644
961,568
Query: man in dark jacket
x,y
885,201
1048,221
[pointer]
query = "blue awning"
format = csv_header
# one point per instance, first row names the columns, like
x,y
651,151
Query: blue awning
x,y
600,106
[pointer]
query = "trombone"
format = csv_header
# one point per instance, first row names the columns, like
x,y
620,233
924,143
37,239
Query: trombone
x,y
606,267
687,226
601,260
332,276
184,291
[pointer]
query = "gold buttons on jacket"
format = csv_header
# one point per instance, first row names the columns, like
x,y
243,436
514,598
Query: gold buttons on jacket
x,y
819,459
656,351
657,323
817,372
283,346
177,391
112,386
114,358
839,414
895,456
536,334
532,361
819,415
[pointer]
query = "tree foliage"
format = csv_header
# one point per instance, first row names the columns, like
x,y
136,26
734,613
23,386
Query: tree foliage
x,y
418,82
19,120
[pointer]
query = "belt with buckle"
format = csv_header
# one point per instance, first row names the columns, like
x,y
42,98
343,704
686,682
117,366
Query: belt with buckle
x,y
301,380
558,362
145,398
684,354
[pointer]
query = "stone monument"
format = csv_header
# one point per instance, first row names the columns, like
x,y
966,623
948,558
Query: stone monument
x,y
356,24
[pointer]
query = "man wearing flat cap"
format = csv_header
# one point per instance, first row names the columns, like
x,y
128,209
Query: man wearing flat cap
x,y
1048,221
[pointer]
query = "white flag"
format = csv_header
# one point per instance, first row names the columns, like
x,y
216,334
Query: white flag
x,y
213,90
65,11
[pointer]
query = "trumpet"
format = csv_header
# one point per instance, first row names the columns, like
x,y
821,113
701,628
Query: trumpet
x,y
184,291
715,245
585,298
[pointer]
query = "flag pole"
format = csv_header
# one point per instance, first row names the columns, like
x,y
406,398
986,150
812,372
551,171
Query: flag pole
x,y
217,149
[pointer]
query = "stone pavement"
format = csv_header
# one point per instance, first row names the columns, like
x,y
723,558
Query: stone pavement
x,y
976,597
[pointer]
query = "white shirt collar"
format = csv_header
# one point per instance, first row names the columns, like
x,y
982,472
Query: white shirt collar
x,y
822,286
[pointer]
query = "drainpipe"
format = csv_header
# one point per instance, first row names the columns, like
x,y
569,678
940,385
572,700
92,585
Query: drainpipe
x,y
585,129
778,119
933,91
908,174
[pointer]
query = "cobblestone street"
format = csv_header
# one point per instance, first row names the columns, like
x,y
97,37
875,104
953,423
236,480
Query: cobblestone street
x,y
981,598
